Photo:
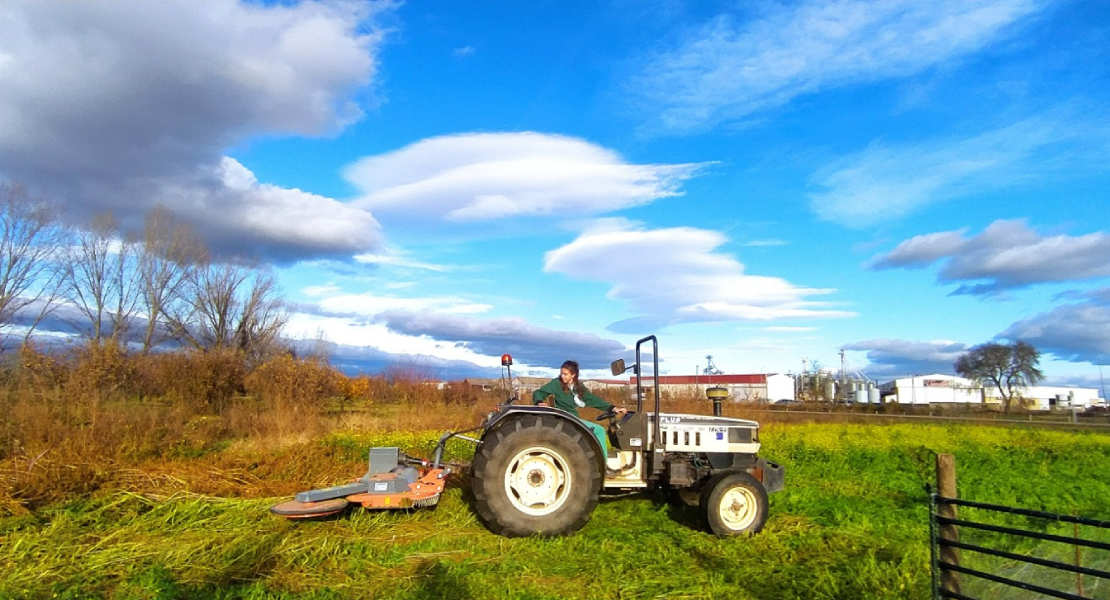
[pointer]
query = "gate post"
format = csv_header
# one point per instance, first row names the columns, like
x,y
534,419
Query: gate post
x,y
946,488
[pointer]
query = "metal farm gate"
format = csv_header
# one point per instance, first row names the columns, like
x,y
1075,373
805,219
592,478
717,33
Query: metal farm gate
x,y
950,573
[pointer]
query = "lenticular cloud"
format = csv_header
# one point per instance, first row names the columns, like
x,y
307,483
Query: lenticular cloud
x,y
488,176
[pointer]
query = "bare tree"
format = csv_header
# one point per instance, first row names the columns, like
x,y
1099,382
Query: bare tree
x,y
231,306
262,317
125,286
30,237
1007,366
102,281
170,255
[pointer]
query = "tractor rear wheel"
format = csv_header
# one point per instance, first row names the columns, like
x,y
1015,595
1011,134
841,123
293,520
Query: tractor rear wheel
x,y
733,503
535,475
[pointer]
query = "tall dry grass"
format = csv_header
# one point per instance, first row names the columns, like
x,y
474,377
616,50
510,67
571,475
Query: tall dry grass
x,y
95,417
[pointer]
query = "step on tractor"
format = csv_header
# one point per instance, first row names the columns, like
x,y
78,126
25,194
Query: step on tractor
x,y
540,471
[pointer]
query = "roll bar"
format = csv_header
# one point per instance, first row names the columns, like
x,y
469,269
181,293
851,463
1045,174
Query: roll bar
x,y
618,367
655,381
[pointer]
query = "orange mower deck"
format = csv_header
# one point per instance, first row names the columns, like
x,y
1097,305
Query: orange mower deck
x,y
394,481
424,492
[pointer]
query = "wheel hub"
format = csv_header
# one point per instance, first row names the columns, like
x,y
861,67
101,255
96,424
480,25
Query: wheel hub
x,y
738,508
537,481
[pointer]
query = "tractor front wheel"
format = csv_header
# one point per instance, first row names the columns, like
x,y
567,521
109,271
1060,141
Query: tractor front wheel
x,y
733,503
535,475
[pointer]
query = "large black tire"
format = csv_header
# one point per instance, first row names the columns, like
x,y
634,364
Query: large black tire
x,y
535,475
733,503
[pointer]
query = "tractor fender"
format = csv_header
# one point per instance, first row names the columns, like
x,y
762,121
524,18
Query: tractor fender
x,y
511,413
771,474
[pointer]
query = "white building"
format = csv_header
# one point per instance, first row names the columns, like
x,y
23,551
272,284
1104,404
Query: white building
x,y
931,389
1045,397
949,389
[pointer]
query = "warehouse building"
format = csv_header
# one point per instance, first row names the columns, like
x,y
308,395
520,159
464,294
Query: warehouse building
x,y
1046,397
931,389
949,389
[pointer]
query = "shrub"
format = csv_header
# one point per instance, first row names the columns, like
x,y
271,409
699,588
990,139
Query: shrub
x,y
34,370
205,381
284,381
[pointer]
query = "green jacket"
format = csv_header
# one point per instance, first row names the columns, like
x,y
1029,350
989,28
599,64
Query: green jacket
x,y
565,400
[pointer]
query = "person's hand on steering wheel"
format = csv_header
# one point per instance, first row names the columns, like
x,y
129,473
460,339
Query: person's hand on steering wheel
x,y
612,413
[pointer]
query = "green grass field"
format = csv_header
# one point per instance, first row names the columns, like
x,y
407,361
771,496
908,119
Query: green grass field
x,y
852,523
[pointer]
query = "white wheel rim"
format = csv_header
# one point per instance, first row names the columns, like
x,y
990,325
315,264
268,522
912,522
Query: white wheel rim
x,y
537,481
738,508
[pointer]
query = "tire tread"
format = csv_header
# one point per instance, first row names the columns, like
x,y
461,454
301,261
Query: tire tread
x,y
494,508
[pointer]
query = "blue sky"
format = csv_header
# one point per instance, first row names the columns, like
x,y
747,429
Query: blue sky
x,y
438,183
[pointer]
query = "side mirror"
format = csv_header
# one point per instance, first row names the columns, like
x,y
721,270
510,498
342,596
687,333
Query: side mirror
x,y
617,366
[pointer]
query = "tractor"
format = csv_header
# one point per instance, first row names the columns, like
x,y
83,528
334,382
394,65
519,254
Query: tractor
x,y
539,470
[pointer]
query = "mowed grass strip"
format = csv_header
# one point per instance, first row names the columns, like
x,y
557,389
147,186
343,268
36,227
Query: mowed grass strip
x,y
852,523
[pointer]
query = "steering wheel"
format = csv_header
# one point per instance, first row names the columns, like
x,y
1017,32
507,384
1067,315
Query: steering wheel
x,y
610,414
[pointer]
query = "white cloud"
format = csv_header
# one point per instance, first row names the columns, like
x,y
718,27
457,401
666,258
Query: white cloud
x,y
676,275
436,327
728,69
1008,254
1074,332
354,333
764,243
397,258
890,358
114,106
529,344
370,304
238,214
923,250
887,182
327,289
488,176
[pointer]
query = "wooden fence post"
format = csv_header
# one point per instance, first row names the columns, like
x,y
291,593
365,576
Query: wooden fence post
x,y
946,488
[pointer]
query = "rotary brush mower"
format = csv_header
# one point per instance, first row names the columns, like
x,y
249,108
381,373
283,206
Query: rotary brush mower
x,y
393,481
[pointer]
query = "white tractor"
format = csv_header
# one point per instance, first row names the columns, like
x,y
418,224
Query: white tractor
x,y
540,471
